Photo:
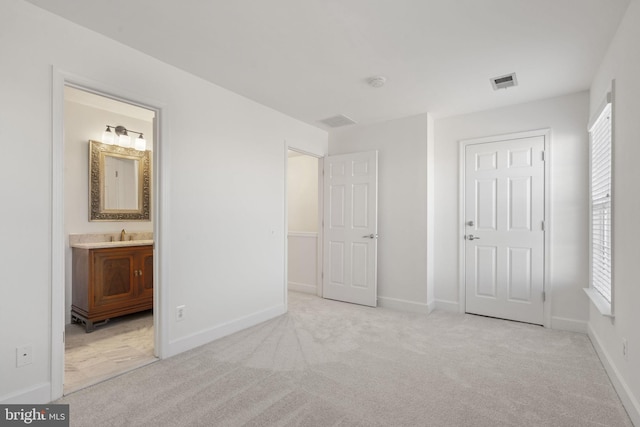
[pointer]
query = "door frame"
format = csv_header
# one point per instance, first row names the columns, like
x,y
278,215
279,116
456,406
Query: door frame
x,y
304,149
160,204
462,144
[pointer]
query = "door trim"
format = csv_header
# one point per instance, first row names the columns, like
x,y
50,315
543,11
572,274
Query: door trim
x,y
60,79
462,144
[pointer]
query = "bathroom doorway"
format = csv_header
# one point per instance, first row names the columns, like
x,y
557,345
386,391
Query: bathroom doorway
x,y
304,223
96,352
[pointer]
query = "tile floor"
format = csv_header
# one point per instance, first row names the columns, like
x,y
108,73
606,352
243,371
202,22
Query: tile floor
x,y
123,344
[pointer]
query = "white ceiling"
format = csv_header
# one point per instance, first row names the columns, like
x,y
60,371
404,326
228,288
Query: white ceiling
x,y
310,59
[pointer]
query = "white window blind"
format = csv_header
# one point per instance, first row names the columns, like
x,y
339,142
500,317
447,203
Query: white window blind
x,y
601,219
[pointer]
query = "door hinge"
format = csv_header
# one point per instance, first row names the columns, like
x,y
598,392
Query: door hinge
x,y
544,296
542,225
543,159
63,337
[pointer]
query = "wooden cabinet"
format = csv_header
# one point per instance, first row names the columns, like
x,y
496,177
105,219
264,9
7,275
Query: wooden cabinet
x,y
111,282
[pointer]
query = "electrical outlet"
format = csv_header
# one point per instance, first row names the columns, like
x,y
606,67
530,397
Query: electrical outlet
x,y
24,355
180,313
625,348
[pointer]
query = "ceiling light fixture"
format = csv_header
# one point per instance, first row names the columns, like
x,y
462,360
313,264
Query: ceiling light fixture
x,y
377,81
123,138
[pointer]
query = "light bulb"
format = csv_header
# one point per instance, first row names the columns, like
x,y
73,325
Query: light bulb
x,y
140,144
108,137
124,140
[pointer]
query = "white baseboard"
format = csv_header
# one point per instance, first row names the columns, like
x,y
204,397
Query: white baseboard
x,y
302,287
38,394
404,305
445,305
629,401
571,325
206,336
431,306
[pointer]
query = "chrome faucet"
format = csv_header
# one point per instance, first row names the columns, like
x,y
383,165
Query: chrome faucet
x,y
122,233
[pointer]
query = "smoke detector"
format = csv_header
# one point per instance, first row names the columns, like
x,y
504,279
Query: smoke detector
x,y
337,121
504,82
377,81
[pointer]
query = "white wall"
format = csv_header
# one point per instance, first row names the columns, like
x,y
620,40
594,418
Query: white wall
x,y
81,124
302,196
402,205
567,117
622,63
222,163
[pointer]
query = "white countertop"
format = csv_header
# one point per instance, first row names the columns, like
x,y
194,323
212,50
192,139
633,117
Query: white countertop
x,y
96,245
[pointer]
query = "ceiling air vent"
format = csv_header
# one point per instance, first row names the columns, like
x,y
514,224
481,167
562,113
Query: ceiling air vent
x,y
337,121
504,82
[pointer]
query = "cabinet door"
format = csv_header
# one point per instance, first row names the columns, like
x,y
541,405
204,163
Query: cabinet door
x,y
113,277
145,278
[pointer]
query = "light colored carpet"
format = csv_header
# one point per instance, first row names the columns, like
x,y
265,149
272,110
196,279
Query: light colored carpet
x,y
327,363
123,344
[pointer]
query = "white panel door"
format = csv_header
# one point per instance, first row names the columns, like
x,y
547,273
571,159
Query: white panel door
x,y
504,230
351,227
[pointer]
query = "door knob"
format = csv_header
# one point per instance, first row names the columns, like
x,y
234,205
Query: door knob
x,y
471,237
370,236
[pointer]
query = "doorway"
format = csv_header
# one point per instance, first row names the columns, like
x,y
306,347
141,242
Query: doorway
x,y
347,225
303,223
504,207
124,342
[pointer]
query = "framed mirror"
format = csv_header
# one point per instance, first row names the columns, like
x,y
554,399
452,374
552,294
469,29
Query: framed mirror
x,y
119,183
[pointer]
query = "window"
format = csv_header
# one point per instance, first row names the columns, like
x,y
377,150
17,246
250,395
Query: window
x,y
601,218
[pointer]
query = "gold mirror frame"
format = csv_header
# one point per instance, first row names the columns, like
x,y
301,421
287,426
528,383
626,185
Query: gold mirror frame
x,y
97,212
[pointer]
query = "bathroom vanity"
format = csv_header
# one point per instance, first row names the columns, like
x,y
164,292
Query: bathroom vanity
x,y
111,279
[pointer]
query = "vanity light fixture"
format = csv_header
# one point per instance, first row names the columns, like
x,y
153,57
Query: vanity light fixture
x,y
123,138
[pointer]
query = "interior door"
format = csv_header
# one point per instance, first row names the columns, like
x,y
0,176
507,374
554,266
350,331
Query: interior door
x,y
351,227
504,229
